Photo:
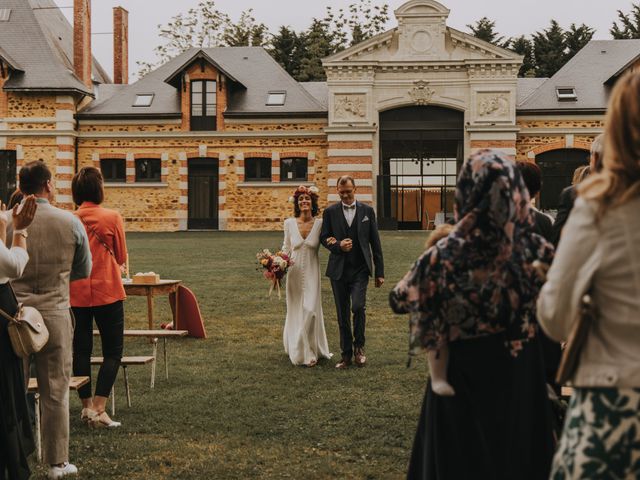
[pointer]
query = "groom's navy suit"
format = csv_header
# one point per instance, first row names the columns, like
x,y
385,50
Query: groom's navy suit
x,y
349,271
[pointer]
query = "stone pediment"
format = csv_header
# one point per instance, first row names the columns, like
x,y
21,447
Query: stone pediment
x,y
422,36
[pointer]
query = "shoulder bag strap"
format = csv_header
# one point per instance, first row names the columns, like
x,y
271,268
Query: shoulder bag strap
x,y
97,235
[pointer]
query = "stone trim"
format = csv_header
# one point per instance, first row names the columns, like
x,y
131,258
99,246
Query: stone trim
x,y
136,185
285,185
193,135
560,131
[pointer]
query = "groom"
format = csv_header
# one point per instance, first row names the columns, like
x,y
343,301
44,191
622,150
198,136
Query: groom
x,y
350,232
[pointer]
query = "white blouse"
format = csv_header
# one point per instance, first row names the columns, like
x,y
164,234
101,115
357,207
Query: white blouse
x,y
12,262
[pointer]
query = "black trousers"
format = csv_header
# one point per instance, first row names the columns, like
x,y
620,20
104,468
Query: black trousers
x,y
110,322
350,296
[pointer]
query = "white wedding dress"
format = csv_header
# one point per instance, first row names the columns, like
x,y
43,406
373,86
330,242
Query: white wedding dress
x,y
304,336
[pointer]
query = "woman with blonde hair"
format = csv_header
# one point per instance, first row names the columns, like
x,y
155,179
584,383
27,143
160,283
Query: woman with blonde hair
x,y
599,253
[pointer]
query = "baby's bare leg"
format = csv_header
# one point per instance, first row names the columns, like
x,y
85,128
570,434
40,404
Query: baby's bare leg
x,y
438,361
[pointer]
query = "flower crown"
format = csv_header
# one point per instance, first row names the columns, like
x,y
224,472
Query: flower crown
x,y
303,190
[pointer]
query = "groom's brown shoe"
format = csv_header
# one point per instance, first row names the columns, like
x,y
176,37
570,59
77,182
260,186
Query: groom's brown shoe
x,y
360,358
344,363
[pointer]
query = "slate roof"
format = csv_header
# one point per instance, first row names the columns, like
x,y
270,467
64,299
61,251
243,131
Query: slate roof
x,y
588,72
319,91
39,39
526,86
255,73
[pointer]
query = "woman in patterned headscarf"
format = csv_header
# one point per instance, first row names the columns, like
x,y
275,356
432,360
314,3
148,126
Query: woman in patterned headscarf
x,y
475,291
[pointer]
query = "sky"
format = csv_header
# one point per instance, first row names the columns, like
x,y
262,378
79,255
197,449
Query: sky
x,y
512,17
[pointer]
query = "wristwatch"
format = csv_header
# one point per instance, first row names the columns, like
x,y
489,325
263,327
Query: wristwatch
x,y
21,232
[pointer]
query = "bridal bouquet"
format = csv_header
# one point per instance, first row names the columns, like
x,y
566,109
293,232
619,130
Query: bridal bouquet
x,y
275,267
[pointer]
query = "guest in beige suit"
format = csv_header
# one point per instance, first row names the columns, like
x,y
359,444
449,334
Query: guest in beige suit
x,y
59,252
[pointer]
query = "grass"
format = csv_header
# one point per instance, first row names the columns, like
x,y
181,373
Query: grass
x,y
234,406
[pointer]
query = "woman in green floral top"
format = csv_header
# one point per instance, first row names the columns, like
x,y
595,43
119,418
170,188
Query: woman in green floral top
x,y
599,252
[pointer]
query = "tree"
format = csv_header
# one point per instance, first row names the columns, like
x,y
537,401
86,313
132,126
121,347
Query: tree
x,y
287,48
629,24
361,21
523,46
484,29
576,38
204,26
318,43
246,32
549,49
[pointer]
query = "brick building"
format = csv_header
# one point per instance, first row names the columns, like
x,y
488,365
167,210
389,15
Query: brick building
x,y
218,138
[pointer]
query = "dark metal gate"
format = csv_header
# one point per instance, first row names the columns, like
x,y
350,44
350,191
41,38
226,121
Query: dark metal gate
x,y
421,150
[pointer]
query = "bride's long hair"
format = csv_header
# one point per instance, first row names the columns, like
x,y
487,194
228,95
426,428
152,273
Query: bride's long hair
x,y
619,180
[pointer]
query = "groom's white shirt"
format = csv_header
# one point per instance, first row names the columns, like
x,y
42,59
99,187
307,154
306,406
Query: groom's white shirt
x,y
349,212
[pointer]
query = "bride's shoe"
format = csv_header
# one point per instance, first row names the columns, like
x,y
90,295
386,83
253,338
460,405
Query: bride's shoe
x,y
312,363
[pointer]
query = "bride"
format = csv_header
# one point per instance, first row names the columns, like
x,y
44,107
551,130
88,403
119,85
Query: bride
x,y
304,336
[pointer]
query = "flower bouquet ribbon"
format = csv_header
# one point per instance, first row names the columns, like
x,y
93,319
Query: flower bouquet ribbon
x,y
275,267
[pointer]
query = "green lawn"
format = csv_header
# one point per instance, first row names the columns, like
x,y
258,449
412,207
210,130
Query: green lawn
x,y
234,406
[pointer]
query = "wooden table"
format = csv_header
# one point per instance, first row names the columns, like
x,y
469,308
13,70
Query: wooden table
x,y
164,287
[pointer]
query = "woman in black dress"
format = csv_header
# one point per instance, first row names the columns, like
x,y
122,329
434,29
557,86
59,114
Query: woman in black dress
x,y
16,437
475,292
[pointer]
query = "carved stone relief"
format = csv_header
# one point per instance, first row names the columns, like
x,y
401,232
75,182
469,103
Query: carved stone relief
x,y
350,107
421,94
493,105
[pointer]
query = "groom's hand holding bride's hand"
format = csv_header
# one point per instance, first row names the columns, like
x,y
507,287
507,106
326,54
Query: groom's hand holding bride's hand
x,y
346,245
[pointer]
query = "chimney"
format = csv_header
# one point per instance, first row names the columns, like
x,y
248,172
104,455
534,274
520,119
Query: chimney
x,y
82,41
120,45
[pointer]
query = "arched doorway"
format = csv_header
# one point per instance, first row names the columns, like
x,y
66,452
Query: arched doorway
x,y
557,172
421,152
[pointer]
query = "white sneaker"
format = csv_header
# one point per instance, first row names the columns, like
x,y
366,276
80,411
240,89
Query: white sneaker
x,y
59,472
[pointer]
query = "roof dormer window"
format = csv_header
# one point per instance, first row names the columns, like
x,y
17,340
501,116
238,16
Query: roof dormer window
x,y
143,100
276,98
566,94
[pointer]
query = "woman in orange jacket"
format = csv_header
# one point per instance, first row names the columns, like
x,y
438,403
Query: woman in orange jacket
x,y
99,297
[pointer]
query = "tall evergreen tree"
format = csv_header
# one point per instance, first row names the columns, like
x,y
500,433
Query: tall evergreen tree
x,y
523,46
485,29
576,38
629,24
549,49
287,48
318,43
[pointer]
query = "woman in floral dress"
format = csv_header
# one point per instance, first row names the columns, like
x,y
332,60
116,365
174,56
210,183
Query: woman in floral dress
x,y
475,291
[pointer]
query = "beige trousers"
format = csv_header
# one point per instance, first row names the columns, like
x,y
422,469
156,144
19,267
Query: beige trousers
x,y
53,365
